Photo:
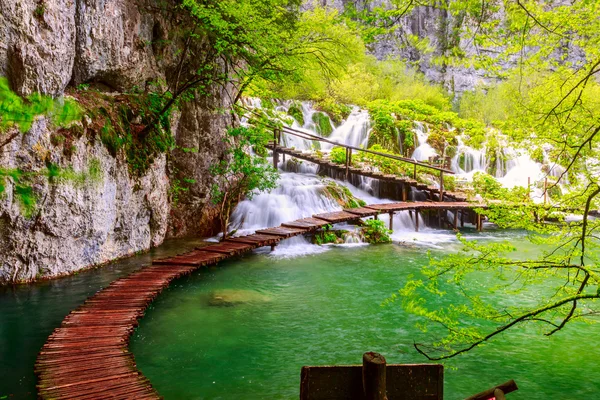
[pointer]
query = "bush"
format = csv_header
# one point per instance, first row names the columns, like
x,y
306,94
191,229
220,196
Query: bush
x,y
327,235
374,231
342,195
338,155
16,111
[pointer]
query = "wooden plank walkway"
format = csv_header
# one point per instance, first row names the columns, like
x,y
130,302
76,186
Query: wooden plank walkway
x,y
87,357
369,173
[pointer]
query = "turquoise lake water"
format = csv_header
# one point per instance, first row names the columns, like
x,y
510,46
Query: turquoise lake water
x,y
322,309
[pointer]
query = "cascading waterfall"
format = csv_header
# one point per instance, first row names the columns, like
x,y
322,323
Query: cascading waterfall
x,y
353,132
301,193
424,150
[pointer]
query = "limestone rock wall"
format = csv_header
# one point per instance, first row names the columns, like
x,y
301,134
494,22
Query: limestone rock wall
x,y
47,45
424,22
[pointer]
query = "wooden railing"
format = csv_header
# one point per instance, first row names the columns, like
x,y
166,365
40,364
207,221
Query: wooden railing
x,y
277,132
497,392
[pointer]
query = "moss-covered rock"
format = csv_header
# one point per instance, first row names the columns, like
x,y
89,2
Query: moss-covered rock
x,y
295,111
322,124
234,297
342,195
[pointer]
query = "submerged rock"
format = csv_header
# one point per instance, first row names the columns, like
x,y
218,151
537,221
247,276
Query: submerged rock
x,y
233,297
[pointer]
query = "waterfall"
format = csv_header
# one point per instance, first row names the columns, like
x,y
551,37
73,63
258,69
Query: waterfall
x,y
354,131
424,150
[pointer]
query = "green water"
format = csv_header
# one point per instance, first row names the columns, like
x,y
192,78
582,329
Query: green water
x,y
325,309
29,314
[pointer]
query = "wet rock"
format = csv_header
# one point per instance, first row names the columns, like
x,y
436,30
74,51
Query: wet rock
x,y
233,297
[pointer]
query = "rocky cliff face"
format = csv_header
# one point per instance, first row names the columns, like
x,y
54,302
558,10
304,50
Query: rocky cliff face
x,y
47,45
433,24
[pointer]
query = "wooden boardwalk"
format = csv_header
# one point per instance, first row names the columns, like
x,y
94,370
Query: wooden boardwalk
x,y
370,174
87,357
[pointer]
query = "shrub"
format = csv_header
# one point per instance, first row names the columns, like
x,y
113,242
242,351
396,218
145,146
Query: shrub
x,y
338,155
374,231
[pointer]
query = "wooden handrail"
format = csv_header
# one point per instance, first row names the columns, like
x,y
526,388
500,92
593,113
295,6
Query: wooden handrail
x,y
505,388
304,135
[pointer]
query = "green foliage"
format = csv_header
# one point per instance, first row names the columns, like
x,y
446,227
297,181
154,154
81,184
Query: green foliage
x,y
132,123
23,182
240,175
326,235
547,99
295,111
19,112
322,124
338,155
40,10
342,195
490,189
391,118
374,231
336,111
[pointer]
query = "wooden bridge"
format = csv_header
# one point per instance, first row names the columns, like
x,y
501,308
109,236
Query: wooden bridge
x,y
87,357
436,193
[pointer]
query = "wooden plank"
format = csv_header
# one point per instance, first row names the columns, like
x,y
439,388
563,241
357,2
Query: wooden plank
x,y
229,248
197,257
283,231
404,382
362,211
336,217
311,224
258,240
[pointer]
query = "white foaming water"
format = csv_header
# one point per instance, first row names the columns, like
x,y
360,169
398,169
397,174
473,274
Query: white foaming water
x,y
297,196
424,150
353,132
472,160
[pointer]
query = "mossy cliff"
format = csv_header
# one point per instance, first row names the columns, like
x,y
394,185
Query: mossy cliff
x,y
75,194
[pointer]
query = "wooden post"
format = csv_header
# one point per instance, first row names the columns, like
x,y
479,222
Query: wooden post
x,y
373,376
391,220
439,218
441,185
455,219
404,194
479,223
275,142
506,387
462,218
347,162
416,220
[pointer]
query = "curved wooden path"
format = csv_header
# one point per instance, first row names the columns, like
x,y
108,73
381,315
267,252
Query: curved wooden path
x,y
87,357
